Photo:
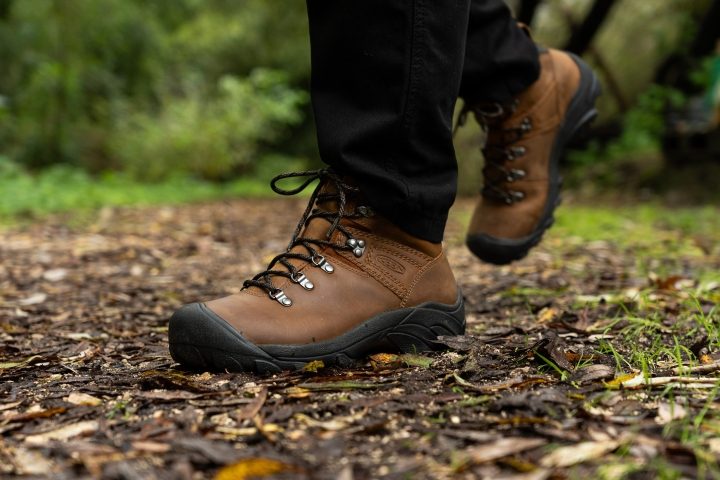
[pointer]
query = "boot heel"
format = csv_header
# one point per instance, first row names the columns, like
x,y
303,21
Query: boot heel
x,y
581,136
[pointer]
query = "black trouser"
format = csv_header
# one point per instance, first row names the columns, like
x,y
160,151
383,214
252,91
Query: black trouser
x,y
385,78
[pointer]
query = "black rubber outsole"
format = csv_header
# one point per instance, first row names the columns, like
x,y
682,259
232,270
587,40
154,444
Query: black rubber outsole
x,y
201,340
580,114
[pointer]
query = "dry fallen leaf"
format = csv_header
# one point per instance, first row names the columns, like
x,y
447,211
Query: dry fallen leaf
x,y
33,299
168,395
10,406
713,445
578,453
31,462
254,468
461,343
314,366
536,474
412,360
592,373
55,274
151,447
340,385
673,283
22,363
252,408
232,432
518,383
334,424
503,448
547,315
79,398
552,347
618,381
668,412
381,361
35,412
385,358
65,432
297,392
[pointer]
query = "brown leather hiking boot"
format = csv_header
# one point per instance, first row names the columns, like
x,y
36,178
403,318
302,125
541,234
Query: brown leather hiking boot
x,y
524,143
350,283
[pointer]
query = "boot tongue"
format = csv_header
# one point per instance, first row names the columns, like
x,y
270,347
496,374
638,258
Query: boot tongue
x,y
374,223
318,227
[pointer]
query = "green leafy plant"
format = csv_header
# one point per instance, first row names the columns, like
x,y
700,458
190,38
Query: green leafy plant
x,y
642,130
209,137
86,82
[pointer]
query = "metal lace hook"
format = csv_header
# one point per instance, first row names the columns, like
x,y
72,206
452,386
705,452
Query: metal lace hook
x,y
302,280
491,111
281,298
319,261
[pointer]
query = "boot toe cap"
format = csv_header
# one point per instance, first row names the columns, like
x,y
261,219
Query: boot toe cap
x,y
201,340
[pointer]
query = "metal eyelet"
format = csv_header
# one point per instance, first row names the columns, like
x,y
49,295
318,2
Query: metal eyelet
x,y
365,211
302,280
516,174
526,125
518,151
281,298
491,111
319,261
513,196
357,245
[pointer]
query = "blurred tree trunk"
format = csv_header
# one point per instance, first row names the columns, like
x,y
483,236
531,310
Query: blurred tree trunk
x,y
5,8
526,11
674,70
580,42
583,35
708,33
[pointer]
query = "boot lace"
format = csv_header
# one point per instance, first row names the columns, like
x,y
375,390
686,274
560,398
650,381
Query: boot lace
x,y
280,265
500,148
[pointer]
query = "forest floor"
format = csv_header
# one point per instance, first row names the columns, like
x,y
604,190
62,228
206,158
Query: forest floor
x,y
598,356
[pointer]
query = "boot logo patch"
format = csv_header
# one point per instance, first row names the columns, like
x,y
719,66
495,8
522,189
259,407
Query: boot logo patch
x,y
390,264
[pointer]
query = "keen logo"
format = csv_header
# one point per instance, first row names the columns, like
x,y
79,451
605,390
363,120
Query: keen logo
x,y
391,264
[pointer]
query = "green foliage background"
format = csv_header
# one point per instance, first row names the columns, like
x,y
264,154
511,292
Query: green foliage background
x,y
151,87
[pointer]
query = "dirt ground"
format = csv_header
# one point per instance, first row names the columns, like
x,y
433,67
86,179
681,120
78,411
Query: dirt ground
x,y
580,362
